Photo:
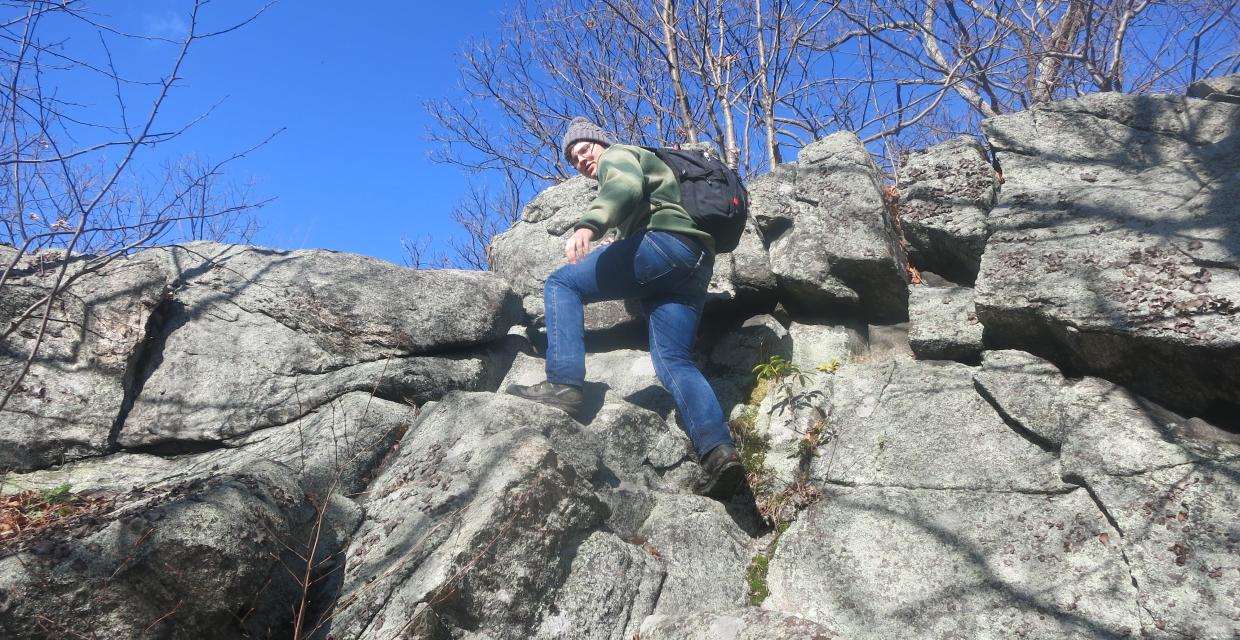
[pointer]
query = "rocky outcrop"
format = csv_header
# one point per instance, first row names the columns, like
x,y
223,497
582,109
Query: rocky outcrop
x,y
218,441
71,399
814,345
1225,89
743,278
881,561
745,624
831,240
612,586
943,324
267,337
946,193
209,545
1113,248
889,420
1167,484
1073,509
466,525
268,385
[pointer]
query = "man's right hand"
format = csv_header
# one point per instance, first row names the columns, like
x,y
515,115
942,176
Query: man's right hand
x,y
578,245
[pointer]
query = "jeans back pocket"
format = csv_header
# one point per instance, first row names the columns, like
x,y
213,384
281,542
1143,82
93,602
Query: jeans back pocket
x,y
662,256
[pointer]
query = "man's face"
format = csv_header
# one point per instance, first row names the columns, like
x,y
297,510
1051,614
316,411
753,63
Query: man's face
x,y
584,155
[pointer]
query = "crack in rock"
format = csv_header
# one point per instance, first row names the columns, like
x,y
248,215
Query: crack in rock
x,y
970,489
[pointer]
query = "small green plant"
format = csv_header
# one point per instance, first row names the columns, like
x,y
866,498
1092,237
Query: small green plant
x,y
779,373
51,500
776,368
829,368
31,506
778,504
56,495
745,423
807,445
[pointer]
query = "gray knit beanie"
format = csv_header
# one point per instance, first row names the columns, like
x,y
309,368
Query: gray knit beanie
x,y
581,129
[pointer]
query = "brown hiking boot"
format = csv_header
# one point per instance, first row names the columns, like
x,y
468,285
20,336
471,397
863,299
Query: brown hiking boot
x,y
725,474
564,397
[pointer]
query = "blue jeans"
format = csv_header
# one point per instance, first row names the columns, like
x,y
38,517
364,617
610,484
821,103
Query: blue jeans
x,y
668,272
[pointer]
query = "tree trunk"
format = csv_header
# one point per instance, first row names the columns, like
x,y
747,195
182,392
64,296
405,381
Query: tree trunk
x,y
668,18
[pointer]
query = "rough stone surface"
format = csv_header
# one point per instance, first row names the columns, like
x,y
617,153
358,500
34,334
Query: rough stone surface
x,y
886,562
534,247
388,310
611,587
254,338
1116,432
943,324
1180,537
923,425
469,521
631,414
196,560
743,624
640,448
1026,390
185,544
945,193
884,342
339,443
1171,487
832,244
757,340
1225,89
68,404
704,553
743,278
1097,427
1113,247
819,344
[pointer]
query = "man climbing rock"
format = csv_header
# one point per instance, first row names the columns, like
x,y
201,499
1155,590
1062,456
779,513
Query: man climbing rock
x,y
661,258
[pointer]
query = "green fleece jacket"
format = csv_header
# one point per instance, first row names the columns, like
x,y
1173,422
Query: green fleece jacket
x,y
637,190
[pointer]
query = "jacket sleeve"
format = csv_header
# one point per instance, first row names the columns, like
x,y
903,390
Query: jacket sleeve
x,y
621,187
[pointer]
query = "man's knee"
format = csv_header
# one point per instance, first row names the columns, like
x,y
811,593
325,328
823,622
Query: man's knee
x,y
558,279
668,361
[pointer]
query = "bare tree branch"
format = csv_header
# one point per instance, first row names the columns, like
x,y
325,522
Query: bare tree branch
x,y
761,78
73,201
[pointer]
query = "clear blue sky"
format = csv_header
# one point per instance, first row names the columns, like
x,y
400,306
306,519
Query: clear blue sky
x,y
346,82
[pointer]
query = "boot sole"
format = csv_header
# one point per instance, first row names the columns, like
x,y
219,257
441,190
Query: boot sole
x,y
573,411
727,483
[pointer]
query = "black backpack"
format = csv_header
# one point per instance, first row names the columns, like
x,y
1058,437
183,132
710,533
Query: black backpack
x,y
711,192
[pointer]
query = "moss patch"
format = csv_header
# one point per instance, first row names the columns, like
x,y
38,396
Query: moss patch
x,y
756,576
752,447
